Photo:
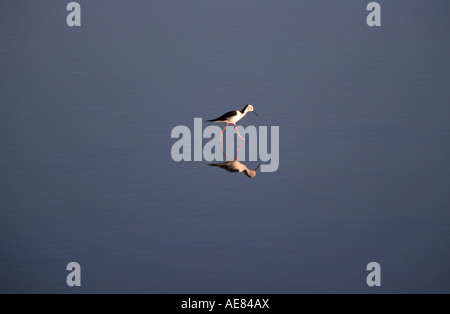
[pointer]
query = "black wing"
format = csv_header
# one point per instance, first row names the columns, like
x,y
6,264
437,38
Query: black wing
x,y
223,117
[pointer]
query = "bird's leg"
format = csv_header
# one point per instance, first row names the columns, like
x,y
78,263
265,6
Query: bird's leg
x,y
239,148
238,133
222,132
221,142
221,149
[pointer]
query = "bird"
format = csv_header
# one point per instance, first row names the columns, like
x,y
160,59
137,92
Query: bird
x,y
233,117
236,166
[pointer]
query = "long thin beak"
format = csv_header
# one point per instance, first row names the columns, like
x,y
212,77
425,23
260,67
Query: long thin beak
x,y
255,113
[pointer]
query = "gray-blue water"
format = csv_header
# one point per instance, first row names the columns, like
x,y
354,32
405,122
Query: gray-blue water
x,y
86,173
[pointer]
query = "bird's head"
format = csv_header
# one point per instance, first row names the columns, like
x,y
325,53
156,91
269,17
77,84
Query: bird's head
x,y
248,108
251,173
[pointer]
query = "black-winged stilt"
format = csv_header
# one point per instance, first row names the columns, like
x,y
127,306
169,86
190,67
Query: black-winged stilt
x,y
233,117
235,166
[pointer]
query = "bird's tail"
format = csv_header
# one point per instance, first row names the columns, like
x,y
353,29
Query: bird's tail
x,y
209,120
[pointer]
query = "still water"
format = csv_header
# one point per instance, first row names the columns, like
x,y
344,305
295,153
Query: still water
x,y
85,147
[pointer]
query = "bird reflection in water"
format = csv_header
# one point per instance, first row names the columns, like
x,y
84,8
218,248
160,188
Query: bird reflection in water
x,y
235,166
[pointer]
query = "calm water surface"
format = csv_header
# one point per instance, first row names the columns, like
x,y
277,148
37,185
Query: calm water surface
x,y
86,173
